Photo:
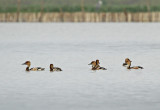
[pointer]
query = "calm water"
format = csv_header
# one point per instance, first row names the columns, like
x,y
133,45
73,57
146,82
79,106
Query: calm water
x,y
72,47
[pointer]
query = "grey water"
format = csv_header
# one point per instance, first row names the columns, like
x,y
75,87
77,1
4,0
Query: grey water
x,y
72,47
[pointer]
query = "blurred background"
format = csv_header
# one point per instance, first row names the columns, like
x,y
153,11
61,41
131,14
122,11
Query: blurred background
x,y
79,10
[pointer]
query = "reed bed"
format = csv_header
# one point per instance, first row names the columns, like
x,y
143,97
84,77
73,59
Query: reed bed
x,y
81,17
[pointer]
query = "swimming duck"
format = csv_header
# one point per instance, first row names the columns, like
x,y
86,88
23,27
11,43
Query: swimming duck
x,y
52,68
126,60
28,63
134,67
96,66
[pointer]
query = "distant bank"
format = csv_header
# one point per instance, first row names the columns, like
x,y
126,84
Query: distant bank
x,y
81,17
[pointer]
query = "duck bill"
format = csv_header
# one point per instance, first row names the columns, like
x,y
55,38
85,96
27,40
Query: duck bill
x,y
124,64
89,64
24,64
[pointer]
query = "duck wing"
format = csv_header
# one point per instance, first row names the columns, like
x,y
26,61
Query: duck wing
x,y
97,67
37,69
137,67
102,68
57,69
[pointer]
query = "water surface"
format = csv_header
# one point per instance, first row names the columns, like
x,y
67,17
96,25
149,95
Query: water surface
x,y
72,47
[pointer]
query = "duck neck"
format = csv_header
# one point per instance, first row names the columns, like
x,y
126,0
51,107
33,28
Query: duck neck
x,y
129,66
51,68
27,69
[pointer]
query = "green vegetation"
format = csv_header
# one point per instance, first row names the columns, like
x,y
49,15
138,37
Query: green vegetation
x,y
78,5
78,9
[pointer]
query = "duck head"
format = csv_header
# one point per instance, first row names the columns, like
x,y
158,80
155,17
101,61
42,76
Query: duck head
x,y
51,67
28,63
126,60
129,62
97,62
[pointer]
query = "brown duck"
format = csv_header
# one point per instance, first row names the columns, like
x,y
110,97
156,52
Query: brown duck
x,y
96,66
28,63
52,68
133,67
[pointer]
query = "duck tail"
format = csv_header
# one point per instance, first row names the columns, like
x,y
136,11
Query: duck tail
x,y
43,68
102,68
140,67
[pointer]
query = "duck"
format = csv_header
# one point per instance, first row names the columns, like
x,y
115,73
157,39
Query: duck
x,y
52,68
96,66
133,67
28,63
126,60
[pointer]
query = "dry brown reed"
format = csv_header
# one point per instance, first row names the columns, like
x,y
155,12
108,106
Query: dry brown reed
x,y
81,17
